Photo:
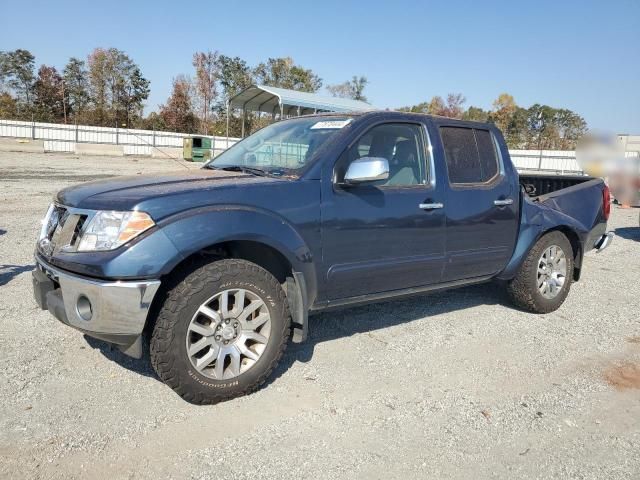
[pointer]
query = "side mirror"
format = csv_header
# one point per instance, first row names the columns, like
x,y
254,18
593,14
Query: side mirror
x,y
367,169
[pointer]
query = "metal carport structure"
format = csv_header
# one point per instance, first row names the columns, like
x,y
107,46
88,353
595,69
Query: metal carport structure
x,y
273,100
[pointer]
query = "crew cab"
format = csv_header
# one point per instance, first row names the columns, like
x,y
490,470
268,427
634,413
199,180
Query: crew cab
x,y
220,266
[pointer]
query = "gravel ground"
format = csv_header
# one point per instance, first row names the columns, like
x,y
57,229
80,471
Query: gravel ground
x,y
451,385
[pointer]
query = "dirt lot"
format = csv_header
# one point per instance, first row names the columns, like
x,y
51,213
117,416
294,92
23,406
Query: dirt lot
x,y
452,385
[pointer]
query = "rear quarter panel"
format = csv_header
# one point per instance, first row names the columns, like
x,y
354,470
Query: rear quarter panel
x,y
577,208
582,202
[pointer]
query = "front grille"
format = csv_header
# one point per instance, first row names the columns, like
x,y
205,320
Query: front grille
x,y
56,218
78,229
63,230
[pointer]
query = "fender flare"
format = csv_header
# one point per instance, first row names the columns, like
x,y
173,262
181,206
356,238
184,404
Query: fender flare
x,y
193,230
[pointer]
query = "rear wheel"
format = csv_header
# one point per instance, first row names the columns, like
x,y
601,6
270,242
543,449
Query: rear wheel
x,y
544,279
221,331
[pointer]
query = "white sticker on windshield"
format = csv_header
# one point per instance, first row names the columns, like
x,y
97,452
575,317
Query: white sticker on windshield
x,y
331,124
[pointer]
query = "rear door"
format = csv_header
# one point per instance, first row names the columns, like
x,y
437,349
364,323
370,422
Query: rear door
x,y
481,206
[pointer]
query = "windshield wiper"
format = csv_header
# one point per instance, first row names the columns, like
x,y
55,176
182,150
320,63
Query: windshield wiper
x,y
241,168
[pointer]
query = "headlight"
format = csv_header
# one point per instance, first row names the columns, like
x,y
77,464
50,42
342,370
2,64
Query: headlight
x,y
109,230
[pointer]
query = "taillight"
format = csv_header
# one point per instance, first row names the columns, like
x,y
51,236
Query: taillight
x,y
606,201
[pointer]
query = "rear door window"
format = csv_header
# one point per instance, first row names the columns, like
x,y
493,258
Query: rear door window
x,y
461,153
470,154
486,154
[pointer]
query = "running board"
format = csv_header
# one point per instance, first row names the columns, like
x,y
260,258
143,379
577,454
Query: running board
x,y
397,294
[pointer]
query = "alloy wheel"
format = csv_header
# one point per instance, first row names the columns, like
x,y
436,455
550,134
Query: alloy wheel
x,y
552,271
228,334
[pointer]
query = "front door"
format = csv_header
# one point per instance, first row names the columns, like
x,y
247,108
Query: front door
x,y
388,235
481,205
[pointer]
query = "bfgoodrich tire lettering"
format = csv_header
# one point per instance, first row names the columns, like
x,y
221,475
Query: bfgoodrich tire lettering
x,y
169,341
526,287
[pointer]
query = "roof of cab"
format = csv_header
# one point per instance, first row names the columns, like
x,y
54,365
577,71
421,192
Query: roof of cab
x,y
391,114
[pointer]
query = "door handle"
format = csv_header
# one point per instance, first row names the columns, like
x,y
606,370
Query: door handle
x,y
431,206
502,203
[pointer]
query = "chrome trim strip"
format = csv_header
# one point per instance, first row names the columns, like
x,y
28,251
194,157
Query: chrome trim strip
x,y
431,160
496,145
431,206
45,222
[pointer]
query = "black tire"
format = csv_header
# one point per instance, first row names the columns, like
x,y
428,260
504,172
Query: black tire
x,y
523,288
168,348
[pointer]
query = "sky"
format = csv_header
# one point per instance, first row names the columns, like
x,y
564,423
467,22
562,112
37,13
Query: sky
x,y
581,55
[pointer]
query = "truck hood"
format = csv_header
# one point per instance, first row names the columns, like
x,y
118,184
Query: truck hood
x,y
126,193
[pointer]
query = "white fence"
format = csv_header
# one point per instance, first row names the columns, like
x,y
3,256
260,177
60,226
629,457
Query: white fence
x,y
548,160
63,138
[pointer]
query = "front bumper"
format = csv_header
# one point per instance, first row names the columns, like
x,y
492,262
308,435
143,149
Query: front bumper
x,y
114,311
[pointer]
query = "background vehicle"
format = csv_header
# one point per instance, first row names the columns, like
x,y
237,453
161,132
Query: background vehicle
x,y
220,265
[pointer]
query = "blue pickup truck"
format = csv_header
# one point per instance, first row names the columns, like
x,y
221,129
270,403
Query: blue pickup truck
x,y
218,267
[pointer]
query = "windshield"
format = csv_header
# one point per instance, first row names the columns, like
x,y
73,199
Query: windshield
x,y
282,147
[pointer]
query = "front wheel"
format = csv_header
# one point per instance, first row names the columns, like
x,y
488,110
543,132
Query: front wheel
x,y
544,279
221,331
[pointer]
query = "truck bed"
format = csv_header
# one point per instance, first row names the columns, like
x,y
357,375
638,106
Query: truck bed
x,y
578,199
536,185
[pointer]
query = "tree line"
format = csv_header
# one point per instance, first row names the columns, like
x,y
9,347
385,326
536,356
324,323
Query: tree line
x,y
538,127
108,89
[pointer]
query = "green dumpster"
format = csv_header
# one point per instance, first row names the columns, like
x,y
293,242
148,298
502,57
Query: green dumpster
x,y
197,149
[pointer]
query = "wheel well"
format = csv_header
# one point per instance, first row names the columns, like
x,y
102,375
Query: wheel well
x,y
259,253
576,246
